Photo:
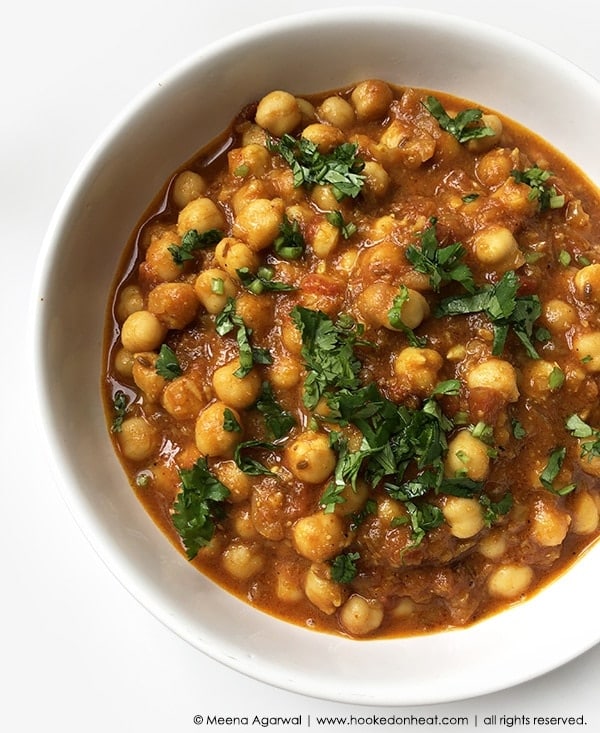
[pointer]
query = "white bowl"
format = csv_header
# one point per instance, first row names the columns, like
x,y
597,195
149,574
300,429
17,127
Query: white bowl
x,y
164,127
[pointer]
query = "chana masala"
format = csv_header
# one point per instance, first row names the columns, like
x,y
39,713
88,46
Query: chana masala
x,y
353,360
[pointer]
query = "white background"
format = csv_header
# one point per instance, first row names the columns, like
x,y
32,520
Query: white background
x,y
77,652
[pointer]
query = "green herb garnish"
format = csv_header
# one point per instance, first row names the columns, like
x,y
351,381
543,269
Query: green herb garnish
x,y
192,241
464,126
343,567
197,506
536,178
167,364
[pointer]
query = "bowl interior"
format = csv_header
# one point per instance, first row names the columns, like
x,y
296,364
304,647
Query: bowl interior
x,y
160,130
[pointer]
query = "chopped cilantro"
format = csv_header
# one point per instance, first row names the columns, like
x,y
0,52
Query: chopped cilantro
x,y
343,567
395,318
191,241
228,320
289,243
167,364
250,465
120,403
341,168
493,510
336,219
551,471
536,178
230,423
441,264
504,308
262,281
278,421
328,352
197,507
464,127
590,447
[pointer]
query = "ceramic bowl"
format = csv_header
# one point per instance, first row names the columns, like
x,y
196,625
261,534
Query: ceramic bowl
x,y
105,199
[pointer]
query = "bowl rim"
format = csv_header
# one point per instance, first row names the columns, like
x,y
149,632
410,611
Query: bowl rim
x,y
64,474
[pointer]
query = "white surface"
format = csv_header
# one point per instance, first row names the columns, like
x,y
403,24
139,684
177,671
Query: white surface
x,y
77,652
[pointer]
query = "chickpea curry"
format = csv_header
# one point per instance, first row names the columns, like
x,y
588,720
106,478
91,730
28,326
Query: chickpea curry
x,y
353,360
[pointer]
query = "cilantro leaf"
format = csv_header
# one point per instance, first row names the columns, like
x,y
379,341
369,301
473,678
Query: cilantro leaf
x,y
395,318
536,178
289,243
120,404
336,219
343,567
504,309
197,507
191,241
590,447
262,281
442,264
493,510
551,471
341,168
167,364
328,352
279,422
463,127
226,322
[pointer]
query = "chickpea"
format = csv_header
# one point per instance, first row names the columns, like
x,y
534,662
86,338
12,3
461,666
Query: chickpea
x,y
130,300
493,546
278,112
182,398
319,537
310,457
467,456
145,376
483,144
258,223
464,515
325,239
494,167
353,499
287,585
213,289
242,560
322,591
377,179
123,362
254,159
587,283
285,373
497,247
238,482
142,331
175,304
587,349
336,111
536,377
559,315
361,616
417,369
376,301
291,337
324,198
243,526
495,374
232,255
510,581
514,198
325,137
137,439
159,259
549,524
238,392
250,191
187,186
201,214
584,513
211,437
371,99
